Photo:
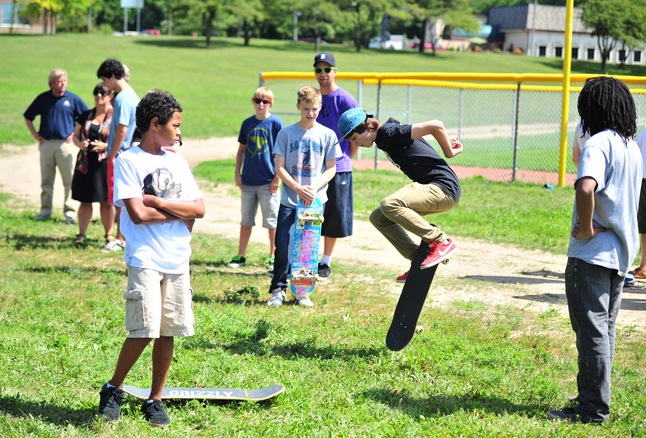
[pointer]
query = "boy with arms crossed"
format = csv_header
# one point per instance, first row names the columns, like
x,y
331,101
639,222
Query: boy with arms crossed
x,y
305,162
158,228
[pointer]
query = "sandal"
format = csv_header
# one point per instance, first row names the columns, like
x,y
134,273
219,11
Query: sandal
x,y
638,274
80,239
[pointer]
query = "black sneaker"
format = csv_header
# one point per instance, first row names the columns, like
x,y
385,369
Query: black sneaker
x,y
154,413
110,402
324,271
569,415
237,262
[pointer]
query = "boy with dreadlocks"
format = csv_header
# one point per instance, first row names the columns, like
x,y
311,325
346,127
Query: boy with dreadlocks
x,y
604,239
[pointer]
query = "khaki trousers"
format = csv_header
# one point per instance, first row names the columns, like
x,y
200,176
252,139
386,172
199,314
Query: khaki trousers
x,y
56,154
403,210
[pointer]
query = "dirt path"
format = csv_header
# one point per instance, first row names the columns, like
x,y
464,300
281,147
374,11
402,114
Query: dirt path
x,y
492,274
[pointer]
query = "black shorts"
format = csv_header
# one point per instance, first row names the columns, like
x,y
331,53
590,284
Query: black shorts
x,y
339,208
641,211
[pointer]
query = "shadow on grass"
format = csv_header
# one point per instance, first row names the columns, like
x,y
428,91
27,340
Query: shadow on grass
x,y
19,407
187,43
441,405
33,241
306,349
76,270
513,279
626,303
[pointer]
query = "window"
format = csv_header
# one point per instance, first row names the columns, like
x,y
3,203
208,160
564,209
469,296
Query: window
x,y
558,52
637,56
590,54
6,14
622,55
575,53
542,50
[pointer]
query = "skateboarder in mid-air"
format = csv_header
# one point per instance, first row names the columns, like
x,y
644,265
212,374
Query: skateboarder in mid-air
x,y
435,187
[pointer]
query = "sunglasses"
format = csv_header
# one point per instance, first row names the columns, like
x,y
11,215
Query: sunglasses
x,y
318,70
263,101
100,93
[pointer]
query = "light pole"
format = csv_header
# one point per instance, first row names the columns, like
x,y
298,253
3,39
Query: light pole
x,y
296,15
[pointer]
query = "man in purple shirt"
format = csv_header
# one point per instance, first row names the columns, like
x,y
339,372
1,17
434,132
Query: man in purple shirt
x,y
339,207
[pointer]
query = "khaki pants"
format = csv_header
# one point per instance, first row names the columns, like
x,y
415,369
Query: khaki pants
x,y
56,154
403,210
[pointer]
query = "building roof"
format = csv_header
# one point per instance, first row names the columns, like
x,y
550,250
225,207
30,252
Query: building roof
x,y
536,17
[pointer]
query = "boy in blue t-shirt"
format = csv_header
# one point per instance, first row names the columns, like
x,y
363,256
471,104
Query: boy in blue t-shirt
x,y
306,155
255,173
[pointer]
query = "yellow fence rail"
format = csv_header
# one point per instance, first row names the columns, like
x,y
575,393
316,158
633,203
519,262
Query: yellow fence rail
x,y
510,124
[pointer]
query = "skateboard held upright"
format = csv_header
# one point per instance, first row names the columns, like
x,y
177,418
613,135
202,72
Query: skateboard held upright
x,y
305,249
411,301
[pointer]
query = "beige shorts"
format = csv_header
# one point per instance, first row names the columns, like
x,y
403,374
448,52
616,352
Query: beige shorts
x,y
158,304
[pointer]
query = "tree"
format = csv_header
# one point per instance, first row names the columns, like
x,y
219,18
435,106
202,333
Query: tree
x,y
607,19
633,30
455,13
366,17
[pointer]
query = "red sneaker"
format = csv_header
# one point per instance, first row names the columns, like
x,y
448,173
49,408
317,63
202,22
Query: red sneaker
x,y
438,253
402,278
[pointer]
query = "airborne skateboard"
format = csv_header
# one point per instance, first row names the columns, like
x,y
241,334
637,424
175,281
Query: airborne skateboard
x,y
411,301
305,249
224,394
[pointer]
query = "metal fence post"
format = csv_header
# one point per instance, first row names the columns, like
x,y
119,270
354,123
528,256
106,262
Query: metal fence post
x,y
515,133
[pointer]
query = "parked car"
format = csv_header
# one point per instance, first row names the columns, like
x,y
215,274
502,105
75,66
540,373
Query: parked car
x,y
153,32
427,46
395,42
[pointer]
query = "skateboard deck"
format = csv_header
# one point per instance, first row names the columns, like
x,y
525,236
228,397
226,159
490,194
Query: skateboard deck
x,y
411,301
305,249
210,393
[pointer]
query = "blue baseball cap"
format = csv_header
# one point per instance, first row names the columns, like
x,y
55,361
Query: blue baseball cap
x,y
350,120
325,57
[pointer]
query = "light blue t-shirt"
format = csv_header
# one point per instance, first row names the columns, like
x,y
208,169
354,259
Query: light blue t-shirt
x,y
125,107
306,153
617,169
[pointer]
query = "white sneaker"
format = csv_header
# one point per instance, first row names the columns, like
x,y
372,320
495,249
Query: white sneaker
x,y
305,302
114,246
277,298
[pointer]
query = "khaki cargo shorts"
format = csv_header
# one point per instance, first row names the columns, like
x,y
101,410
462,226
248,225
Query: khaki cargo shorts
x,y
158,304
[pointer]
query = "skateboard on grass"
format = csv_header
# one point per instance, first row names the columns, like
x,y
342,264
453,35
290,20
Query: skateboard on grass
x,y
224,394
305,249
411,301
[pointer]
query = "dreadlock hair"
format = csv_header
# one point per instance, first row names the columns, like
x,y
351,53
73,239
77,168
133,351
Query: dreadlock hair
x,y
606,103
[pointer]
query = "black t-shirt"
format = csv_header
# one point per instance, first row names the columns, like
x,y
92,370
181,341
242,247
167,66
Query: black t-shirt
x,y
416,158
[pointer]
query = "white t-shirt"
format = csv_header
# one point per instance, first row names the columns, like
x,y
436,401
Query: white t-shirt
x,y
617,169
163,247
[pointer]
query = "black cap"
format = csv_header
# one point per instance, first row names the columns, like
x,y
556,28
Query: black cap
x,y
325,57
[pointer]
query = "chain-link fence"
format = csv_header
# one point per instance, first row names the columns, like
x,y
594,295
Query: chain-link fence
x,y
510,125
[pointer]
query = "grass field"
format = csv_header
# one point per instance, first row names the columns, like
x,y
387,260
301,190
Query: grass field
x,y
478,370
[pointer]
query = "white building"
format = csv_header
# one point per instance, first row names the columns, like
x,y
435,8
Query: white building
x,y
539,30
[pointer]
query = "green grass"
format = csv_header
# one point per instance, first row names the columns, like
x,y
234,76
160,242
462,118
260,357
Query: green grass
x,y
214,85
477,370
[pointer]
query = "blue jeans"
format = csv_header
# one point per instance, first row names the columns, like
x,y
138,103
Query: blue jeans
x,y
594,298
284,232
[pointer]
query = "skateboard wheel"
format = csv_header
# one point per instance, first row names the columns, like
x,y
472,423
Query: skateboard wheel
x,y
419,329
445,261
